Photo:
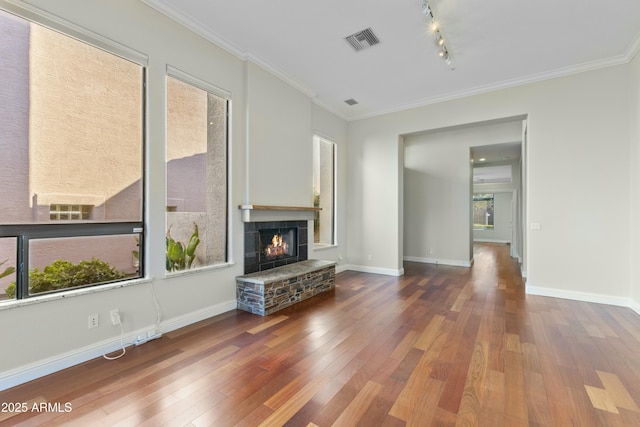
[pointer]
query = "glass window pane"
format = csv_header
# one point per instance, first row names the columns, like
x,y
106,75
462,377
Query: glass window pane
x,y
76,128
62,263
483,212
324,191
7,267
196,177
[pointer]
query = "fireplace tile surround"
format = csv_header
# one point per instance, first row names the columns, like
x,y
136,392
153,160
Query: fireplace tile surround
x,y
252,262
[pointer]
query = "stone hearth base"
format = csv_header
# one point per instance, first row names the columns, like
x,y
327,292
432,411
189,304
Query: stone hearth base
x,y
271,290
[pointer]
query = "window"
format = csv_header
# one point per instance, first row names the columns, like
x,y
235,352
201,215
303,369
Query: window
x,y
196,165
71,138
324,191
69,212
483,211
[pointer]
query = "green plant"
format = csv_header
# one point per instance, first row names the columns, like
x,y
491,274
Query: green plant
x,y
316,217
136,253
64,274
7,271
181,256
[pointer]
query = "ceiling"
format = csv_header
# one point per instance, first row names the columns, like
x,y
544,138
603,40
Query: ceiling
x,y
492,44
492,174
496,153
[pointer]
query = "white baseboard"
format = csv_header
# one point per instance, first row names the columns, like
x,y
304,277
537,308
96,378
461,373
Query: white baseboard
x,y
580,296
196,316
451,262
374,270
341,268
53,364
635,306
491,241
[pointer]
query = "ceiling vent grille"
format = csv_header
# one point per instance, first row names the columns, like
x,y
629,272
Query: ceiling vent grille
x,y
362,39
351,101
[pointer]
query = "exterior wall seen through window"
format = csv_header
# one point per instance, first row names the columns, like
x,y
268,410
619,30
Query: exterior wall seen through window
x,y
71,137
196,175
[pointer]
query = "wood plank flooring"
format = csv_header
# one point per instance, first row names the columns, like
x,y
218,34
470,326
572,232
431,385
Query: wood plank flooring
x,y
441,346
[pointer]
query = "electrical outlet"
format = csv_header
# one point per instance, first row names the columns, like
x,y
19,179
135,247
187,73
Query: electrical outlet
x,y
370,257
93,320
115,316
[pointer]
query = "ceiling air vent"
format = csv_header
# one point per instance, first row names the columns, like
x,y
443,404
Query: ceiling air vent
x,y
351,101
362,39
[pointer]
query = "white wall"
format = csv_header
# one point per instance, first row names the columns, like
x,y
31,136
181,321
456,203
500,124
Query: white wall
x,y
53,331
280,142
437,190
578,146
634,161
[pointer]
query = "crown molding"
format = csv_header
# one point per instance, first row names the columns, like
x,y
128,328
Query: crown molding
x,y
521,81
242,54
184,20
54,22
633,49
330,109
245,55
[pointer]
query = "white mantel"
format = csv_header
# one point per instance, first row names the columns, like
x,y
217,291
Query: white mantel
x,y
260,213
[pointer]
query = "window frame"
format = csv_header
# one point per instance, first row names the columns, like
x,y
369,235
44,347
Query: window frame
x,y
319,138
190,79
23,233
26,232
485,199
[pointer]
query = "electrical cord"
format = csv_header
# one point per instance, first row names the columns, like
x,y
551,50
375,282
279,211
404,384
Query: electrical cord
x,y
158,320
124,350
157,305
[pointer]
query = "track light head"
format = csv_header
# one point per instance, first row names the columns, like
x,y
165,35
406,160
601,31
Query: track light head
x,y
434,26
426,10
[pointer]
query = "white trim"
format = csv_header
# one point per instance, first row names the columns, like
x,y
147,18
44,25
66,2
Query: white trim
x,y
579,296
58,24
341,268
533,78
633,49
635,306
192,80
451,262
245,55
491,241
374,270
70,293
53,364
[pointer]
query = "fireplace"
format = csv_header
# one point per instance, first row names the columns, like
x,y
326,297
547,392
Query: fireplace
x,y
272,244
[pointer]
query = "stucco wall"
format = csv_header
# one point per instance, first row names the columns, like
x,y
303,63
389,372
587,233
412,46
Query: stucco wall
x,y
95,136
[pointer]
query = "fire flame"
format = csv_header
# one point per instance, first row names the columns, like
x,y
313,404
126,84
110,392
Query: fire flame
x,y
277,247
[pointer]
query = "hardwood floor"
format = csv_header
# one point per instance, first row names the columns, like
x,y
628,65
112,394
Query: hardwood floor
x,y
439,346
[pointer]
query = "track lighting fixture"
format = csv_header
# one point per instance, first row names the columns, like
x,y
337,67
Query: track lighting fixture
x,y
434,27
